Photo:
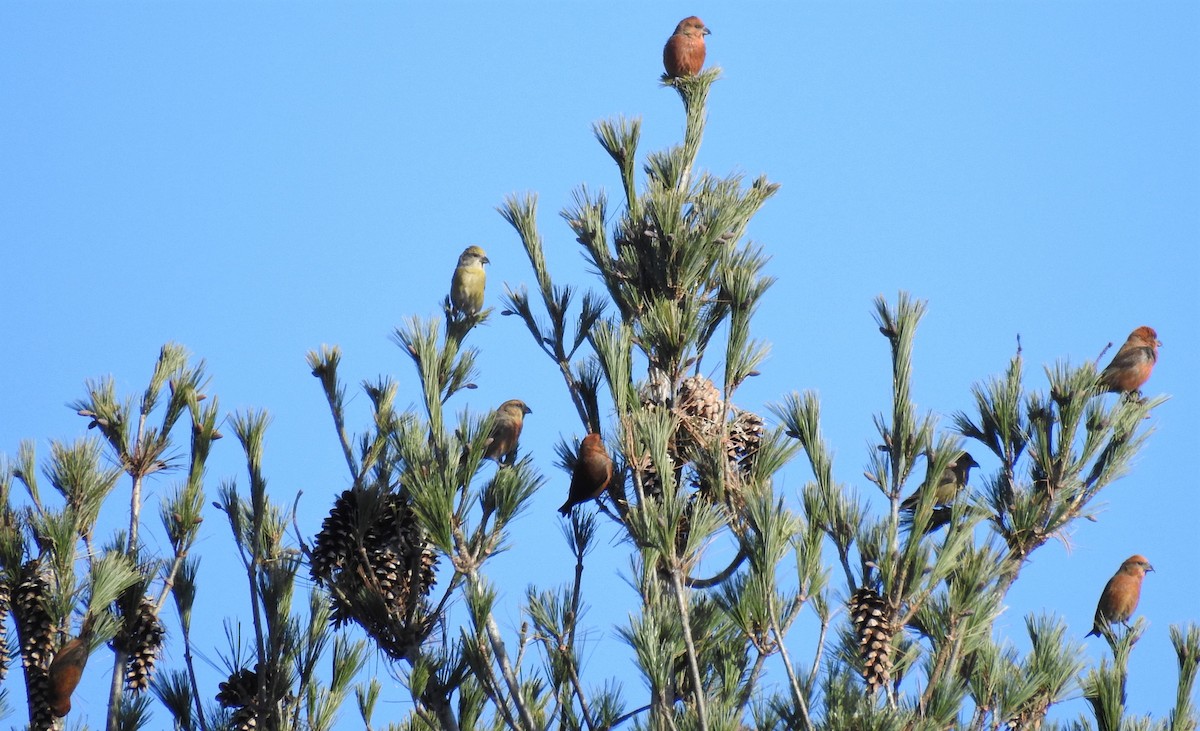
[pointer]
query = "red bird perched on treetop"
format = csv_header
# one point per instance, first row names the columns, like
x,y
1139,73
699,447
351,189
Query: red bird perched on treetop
x,y
684,53
1121,594
1131,366
593,472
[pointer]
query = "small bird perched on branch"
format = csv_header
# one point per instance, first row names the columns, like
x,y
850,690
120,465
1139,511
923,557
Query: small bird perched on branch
x,y
506,430
684,53
593,472
65,672
466,287
1130,367
952,480
1121,594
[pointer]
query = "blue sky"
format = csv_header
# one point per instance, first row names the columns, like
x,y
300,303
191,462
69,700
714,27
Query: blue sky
x,y
255,180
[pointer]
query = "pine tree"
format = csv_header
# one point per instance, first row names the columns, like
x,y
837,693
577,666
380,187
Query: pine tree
x,y
70,596
921,588
752,612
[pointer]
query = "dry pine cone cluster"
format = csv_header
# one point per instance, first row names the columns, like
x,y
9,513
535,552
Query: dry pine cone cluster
x,y
399,563
702,414
705,417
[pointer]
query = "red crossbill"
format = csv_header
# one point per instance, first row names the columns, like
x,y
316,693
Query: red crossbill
x,y
506,430
65,672
953,479
684,53
1121,594
1131,366
466,287
593,472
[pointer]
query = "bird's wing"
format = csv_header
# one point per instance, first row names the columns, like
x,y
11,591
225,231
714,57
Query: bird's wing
x,y
1131,358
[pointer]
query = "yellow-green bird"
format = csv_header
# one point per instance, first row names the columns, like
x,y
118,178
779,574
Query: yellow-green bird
x,y
952,479
466,287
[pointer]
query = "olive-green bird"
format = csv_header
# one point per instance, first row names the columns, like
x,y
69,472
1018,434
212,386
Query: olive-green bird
x,y
466,287
952,479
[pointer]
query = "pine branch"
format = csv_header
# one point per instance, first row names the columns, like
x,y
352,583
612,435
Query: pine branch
x,y
521,214
1186,641
324,365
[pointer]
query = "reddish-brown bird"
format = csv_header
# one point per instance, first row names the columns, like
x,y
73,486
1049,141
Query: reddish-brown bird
x,y
65,672
684,53
1131,366
506,430
1121,594
593,472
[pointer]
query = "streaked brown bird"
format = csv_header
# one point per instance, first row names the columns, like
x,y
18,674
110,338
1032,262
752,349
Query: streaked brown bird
x,y
593,472
1121,594
684,53
1130,367
953,479
65,672
506,430
469,280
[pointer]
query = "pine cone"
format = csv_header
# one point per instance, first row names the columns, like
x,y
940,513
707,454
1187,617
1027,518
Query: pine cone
x,y
36,636
333,549
141,636
745,435
4,606
402,561
684,530
700,408
874,628
334,545
399,561
240,692
644,470
244,719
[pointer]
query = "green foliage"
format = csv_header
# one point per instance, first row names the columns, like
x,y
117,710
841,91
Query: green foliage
x,y
746,610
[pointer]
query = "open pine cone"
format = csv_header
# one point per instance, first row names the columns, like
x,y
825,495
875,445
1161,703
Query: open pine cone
x,y
874,629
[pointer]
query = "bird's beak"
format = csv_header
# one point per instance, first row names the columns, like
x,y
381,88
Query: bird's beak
x,y
528,410
1149,567
707,32
485,260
